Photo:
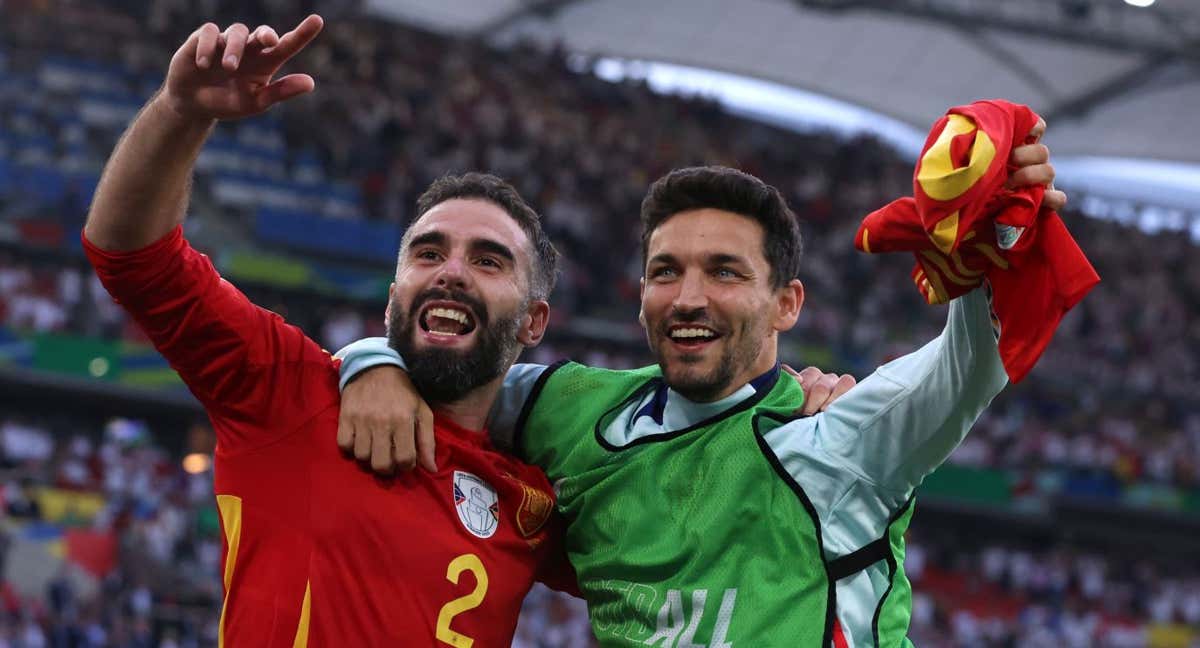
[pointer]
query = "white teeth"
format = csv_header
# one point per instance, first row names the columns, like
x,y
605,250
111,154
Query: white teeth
x,y
692,333
449,313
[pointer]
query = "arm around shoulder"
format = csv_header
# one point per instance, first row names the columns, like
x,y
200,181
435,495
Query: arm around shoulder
x,y
365,354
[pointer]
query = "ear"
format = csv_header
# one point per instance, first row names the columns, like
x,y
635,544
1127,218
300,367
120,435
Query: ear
x,y
788,302
641,301
387,313
533,324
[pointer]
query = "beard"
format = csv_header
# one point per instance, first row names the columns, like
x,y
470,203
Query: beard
x,y
740,349
444,375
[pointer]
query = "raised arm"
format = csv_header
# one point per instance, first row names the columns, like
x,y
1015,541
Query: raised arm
x,y
901,422
907,417
225,348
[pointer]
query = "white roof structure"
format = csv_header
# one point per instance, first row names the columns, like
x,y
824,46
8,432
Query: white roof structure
x,y
1111,79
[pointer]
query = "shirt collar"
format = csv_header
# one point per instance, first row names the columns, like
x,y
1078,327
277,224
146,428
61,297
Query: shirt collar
x,y
671,410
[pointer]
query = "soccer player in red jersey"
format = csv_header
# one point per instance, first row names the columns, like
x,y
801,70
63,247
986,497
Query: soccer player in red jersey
x,y
318,551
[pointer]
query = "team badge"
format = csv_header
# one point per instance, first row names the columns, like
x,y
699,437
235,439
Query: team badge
x,y
477,504
534,510
1007,235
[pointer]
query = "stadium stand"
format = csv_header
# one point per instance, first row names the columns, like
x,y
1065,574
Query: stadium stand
x,y
108,541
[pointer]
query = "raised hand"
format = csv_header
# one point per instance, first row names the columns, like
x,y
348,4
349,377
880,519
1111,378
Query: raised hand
x,y
231,74
1032,167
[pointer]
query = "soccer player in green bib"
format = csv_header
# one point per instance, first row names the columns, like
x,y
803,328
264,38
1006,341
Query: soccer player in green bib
x,y
701,510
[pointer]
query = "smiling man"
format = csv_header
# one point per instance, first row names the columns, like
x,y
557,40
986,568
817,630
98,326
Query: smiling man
x,y
699,324
317,550
701,510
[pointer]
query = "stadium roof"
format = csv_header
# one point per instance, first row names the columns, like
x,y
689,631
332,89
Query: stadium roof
x,y
1112,79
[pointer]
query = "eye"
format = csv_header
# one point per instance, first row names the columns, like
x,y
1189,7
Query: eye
x,y
428,255
488,262
663,272
725,273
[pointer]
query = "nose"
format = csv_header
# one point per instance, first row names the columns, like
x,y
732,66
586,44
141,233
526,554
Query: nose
x,y
691,296
452,275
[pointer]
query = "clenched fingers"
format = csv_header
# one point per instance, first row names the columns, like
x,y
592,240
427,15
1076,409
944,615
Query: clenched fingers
x,y
345,433
809,380
1039,129
404,452
1037,174
1054,199
425,438
844,383
381,450
1030,154
824,389
818,392
362,443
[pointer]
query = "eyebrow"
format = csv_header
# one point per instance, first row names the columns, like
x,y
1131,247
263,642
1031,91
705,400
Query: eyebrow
x,y
428,238
727,259
721,258
488,245
476,245
668,259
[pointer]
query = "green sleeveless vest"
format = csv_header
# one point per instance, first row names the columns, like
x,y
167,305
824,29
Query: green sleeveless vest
x,y
691,538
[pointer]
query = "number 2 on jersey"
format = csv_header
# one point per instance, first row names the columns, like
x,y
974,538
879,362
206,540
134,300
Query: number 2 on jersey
x,y
465,562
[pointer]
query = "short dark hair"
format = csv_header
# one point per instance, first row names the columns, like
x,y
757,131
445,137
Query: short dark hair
x,y
730,190
485,186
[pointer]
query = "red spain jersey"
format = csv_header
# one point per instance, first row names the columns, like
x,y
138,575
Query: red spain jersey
x,y
319,551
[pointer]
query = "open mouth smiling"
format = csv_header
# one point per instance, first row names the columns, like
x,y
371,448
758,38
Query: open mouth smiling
x,y
446,319
691,336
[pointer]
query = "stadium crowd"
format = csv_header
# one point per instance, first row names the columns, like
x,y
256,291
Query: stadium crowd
x,y
1114,399
146,571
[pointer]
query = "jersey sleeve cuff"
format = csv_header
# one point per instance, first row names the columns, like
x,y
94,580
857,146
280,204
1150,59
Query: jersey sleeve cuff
x,y
365,354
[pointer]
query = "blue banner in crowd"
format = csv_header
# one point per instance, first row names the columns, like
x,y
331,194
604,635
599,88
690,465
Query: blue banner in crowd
x,y
364,240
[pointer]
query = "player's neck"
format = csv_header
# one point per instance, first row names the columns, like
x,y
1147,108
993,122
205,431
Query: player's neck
x,y
766,363
471,411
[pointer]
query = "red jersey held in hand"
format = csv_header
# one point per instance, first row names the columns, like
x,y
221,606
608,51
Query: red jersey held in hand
x,y
318,551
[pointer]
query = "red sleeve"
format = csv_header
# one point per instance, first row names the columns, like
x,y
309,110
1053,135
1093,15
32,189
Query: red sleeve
x,y
254,373
556,571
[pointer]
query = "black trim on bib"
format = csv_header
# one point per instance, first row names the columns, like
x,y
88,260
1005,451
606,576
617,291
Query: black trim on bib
x,y
652,384
891,563
518,442
773,460
864,557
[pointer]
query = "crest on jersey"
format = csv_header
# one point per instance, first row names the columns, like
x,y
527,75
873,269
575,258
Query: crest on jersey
x,y
1008,235
534,510
477,504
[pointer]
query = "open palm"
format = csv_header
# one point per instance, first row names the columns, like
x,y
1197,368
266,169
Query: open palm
x,y
230,74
